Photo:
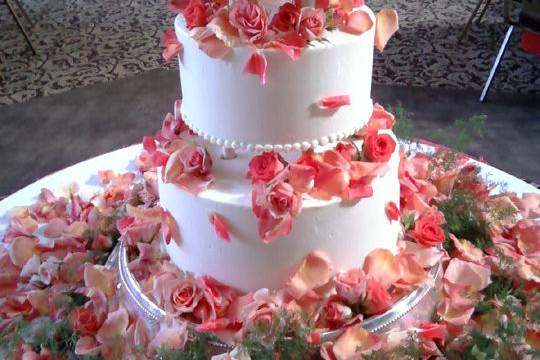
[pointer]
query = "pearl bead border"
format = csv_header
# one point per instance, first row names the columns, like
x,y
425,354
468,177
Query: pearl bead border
x,y
257,148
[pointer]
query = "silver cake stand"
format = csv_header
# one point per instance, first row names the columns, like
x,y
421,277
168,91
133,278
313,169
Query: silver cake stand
x,y
417,307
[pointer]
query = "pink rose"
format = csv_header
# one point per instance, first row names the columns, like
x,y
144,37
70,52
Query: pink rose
x,y
265,167
311,24
427,231
182,296
196,160
351,285
335,313
378,147
282,199
261,312
285,19
195,14
84,321
250,18
377,299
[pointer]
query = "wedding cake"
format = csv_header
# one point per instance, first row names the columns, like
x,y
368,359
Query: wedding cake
x,y
278,150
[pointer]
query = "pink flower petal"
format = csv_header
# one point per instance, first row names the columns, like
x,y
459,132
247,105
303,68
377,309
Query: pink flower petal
x,y
172,335
392,211
87,345
21,250
256,65
291,44
99,278
172,46
271,227
387,25
357,23
221,26
301,177
177,5
359,188
315,271
382,265
114,327
355,342
149,143
467,274
170,228
220,226
334,102
214,47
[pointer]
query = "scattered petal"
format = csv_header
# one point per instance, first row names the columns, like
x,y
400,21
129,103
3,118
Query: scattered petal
x,y
314,272
334,102
256,65
387,25
220,226
356,23
392,211
356,342
467,274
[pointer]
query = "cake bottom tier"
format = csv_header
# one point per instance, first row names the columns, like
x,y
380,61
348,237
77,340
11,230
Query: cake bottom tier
x,y
345,231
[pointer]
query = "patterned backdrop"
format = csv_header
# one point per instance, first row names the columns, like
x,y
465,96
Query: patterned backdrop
x,y
81,42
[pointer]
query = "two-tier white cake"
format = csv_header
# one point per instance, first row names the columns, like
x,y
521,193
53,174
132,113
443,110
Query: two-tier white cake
x,y
235,118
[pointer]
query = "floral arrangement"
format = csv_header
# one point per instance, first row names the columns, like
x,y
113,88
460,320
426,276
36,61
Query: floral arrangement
x,y
59,299
343,171
288,27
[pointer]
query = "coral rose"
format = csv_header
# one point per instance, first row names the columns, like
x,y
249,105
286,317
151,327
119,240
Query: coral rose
x,y
378,147
265,167
336,313
282,199
195,14
427,231
285,19
351,285
196,160
377,299
311,23
182,296
84,321
250,18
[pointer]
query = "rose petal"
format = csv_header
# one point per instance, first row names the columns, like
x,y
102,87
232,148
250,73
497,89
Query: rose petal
x,y
21,250
355,342
467,274
271,227
387,25
114,327
357,23
301,177
220,226
169,227
315,271
214,47
291,44
172,46
256,65
334,102
359,188
172,335
100,278
87,345
392,211
382,265
223,29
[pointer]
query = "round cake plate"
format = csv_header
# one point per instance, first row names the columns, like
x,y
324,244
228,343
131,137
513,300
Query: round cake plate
x,y
415,308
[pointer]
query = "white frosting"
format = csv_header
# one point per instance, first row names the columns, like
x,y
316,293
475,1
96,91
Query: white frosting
x,y
225,106
346,232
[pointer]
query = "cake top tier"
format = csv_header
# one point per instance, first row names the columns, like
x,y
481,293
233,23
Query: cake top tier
x,y
282,77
